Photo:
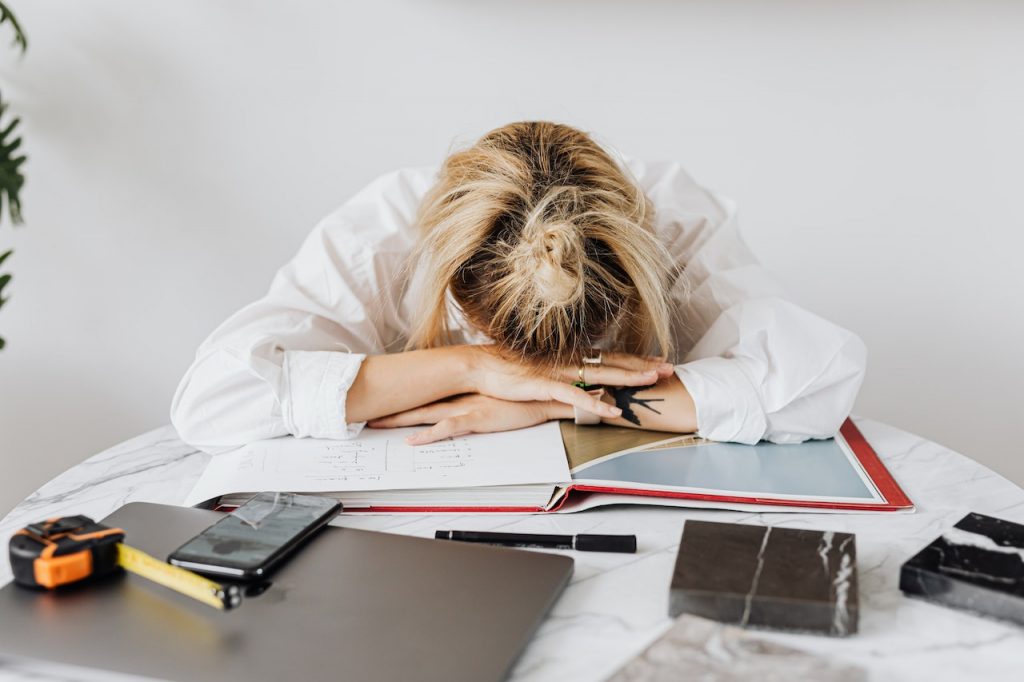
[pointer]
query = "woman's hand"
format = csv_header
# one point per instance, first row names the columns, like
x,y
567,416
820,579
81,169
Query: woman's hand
x,y
492,375
472,413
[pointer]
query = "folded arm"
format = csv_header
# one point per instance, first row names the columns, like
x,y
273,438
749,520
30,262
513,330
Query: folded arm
x,y
755,365
284,364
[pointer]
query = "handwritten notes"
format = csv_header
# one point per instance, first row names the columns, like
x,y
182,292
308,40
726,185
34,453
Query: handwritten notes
x,y
381,460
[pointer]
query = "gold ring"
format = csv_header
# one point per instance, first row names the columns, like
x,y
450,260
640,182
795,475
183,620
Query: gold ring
x,y
580,374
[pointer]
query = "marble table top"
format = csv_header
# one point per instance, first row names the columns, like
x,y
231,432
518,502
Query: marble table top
x,y
616,605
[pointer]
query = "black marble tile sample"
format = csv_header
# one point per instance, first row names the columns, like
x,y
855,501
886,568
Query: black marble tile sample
x,y
756,576
978,565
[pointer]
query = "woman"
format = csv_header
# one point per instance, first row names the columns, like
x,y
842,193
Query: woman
x,y
469,299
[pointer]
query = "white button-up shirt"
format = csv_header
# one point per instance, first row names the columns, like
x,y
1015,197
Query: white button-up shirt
x,y
756,365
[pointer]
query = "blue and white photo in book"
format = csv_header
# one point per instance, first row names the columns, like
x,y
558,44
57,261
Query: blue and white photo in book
x,y
824,470
612,465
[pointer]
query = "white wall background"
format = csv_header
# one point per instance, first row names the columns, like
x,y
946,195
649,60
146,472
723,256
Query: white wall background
x,y
179,151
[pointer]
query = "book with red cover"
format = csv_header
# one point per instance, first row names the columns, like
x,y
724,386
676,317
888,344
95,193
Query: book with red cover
x,y
614,465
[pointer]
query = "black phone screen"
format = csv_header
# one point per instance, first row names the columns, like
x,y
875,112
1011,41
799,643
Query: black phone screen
x,y
246,542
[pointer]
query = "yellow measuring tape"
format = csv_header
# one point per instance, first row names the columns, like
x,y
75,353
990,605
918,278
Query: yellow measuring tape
x,y
178,579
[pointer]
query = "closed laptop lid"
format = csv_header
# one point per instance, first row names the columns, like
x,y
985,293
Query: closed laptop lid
x,y
351,605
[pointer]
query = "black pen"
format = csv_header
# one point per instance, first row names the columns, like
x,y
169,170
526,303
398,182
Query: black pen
x,y
583,542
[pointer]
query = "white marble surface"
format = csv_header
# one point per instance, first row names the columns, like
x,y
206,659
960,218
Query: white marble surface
x,y
616,605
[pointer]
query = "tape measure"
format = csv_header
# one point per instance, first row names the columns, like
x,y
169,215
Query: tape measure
x,y
68,549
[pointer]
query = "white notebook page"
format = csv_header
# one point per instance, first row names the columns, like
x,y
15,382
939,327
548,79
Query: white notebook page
x,y
381,460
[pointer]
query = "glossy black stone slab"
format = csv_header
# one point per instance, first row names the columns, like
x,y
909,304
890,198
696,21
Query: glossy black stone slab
x,y
777,578
978,566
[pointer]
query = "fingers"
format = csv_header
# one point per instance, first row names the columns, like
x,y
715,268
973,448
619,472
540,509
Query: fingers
x,y
638,363
487,418
577,397
446,428
616,376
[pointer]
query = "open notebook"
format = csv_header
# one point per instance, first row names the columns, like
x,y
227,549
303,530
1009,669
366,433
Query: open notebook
x,y
559,467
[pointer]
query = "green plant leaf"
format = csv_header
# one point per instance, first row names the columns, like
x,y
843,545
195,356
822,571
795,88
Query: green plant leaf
x,y
11,177
20,40
4,279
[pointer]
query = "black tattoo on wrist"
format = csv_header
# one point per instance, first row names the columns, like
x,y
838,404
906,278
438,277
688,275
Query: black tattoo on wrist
x,y
625,398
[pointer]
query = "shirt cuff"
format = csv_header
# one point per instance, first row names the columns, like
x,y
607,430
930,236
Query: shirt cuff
x,y
728,407
317,384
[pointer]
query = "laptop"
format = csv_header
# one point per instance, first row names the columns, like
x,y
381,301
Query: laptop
x,y
350,605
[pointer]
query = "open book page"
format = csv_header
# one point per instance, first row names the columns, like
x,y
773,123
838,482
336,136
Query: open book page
x,y
381,460
584,444
817,470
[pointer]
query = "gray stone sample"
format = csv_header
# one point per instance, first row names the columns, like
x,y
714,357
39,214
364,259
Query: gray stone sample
x,y
759,576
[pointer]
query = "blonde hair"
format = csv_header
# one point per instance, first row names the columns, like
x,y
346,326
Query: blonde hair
x,y
545,245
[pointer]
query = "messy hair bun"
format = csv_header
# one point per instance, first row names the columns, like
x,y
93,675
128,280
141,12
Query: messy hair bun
x,y
545,245
551,251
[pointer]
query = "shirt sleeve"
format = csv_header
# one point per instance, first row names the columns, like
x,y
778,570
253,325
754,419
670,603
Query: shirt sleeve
x,y
283,365
757,366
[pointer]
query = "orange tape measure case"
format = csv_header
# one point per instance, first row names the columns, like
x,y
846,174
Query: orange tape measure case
x,y
63,550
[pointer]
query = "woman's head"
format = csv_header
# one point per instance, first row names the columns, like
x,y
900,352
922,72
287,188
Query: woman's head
x,y
545,245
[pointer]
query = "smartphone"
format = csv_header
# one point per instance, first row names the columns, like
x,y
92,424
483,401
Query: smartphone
x,y
247,543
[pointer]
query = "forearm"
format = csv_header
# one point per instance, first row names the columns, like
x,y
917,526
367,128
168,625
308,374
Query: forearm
x,y
396,382
665,406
